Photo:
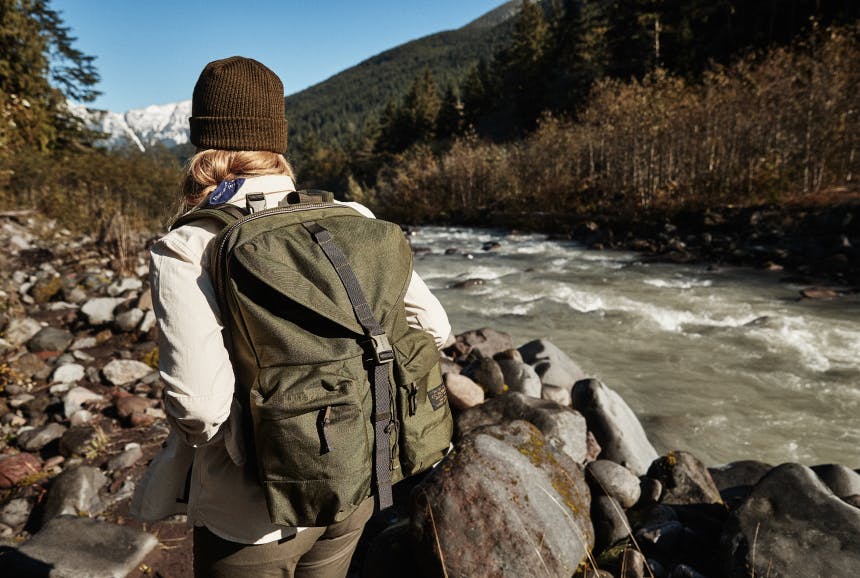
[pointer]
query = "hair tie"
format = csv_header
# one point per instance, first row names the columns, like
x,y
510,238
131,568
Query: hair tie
x,y
225,191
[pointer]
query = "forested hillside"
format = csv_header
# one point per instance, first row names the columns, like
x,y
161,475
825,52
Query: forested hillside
x,y
620,106
339,109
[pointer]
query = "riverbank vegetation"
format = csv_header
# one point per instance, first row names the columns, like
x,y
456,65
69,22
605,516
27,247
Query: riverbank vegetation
x,y
767,129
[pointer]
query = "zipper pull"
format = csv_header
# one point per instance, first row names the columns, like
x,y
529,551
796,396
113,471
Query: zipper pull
x,y
413,399
322,425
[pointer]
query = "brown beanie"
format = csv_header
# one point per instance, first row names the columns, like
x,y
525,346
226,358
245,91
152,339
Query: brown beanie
x,y
238,105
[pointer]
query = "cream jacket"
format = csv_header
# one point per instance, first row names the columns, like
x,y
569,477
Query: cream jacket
x,y
199,470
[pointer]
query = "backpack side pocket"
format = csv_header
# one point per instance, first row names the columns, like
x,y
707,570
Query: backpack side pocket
x,y
426,424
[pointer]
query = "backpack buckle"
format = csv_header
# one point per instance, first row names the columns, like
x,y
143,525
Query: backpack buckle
x,y
382,352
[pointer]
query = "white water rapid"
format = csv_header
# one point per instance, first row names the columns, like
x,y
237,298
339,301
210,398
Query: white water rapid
x,y
728,364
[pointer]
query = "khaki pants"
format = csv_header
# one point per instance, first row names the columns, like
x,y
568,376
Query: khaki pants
x,y
312,553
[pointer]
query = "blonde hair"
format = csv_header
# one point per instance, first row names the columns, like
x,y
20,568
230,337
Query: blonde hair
x,y
208,168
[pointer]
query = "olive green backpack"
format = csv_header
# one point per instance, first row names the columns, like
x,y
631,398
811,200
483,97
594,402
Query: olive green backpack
x,y
342,396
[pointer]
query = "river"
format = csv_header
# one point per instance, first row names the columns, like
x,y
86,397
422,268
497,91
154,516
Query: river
x,y
727,363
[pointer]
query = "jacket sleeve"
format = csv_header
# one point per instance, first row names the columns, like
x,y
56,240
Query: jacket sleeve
x,y
193,360
423,311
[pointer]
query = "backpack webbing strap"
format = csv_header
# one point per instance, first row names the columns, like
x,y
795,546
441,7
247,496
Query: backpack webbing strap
x,y
382,356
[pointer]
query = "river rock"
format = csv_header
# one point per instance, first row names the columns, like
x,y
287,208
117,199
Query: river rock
x,y
553,365
124,284
463,393
80,417
664,538
144,303
68,373
35,439
607,477
18,467
123,371
99,311
149,321
468,283
562,428
75,399
29,365
610,523
21,330
487,341
615,426
792,525
560,395
592,447
533,515
520,377
736,480
46,288
130,404
78,547
78,441
129,320
130,455
842,481
50,339
485,372
76,492
15,513
685,480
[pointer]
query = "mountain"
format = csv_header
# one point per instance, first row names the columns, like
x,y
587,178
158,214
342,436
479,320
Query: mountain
x,y
165,124
337,108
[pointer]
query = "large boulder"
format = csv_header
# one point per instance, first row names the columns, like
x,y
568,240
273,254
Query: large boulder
x,y
685,480
614,425
842,481
463,393
76,492
503,503
563,428
486,341
607,477
736,480
76,547
792,525
552,364
520,377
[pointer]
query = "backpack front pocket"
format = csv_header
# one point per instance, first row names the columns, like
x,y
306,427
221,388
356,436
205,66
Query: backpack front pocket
x,y
313,444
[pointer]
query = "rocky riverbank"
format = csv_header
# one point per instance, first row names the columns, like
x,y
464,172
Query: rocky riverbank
x,y
551,473
808,242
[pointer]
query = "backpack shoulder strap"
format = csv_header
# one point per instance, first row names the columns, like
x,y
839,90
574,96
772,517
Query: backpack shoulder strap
x,y
225,214
381,356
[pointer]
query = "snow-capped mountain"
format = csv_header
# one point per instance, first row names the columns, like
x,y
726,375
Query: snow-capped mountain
x,y
143,127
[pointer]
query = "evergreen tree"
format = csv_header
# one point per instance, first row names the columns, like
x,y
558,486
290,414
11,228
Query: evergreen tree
x,y
451,119
479,92
39,70
523,66
421,107
414,120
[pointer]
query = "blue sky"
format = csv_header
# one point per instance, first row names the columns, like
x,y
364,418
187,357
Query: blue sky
x,y
151,52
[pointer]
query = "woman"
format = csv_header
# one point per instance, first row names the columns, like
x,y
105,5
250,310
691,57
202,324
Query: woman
x,y
239,129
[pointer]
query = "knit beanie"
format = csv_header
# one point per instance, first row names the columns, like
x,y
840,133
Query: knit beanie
x,y
238,105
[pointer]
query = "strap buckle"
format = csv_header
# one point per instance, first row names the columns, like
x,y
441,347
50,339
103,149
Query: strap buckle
x,y
382,352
